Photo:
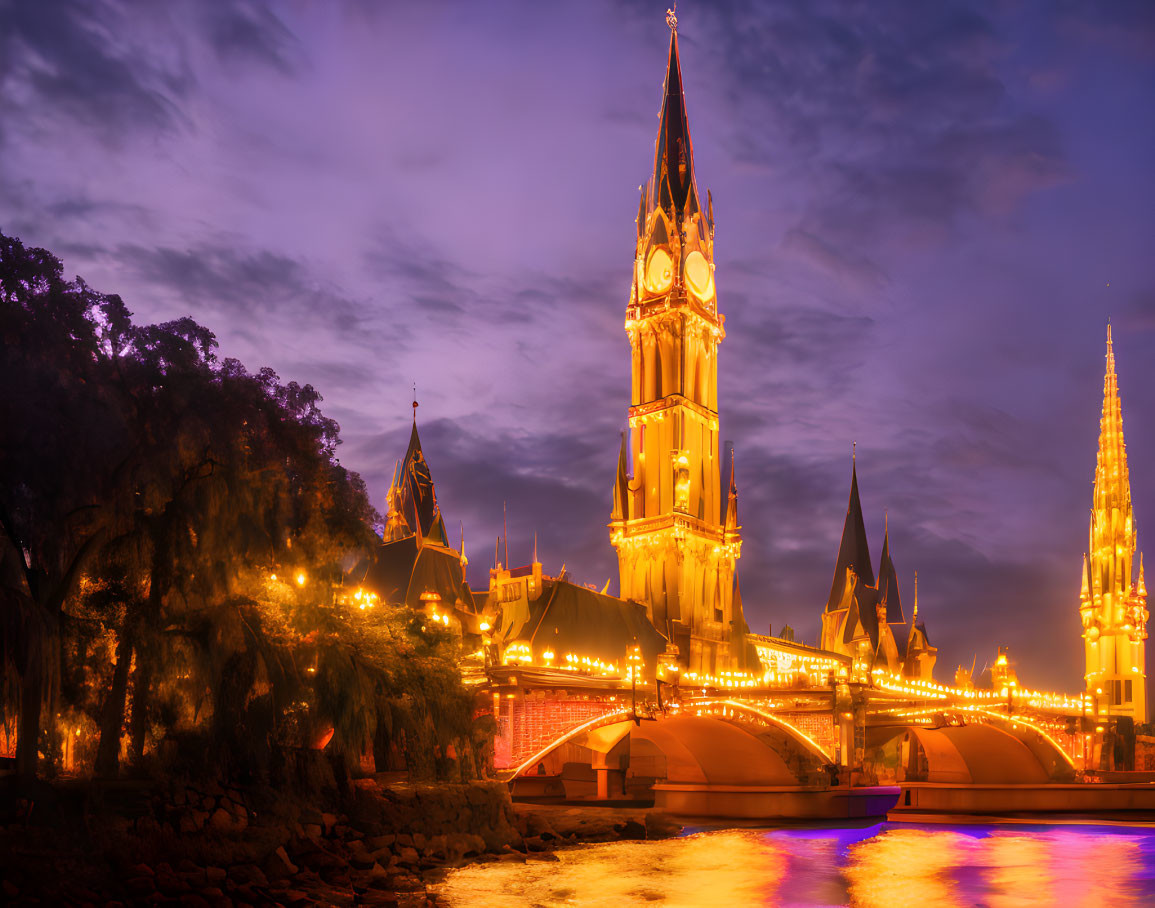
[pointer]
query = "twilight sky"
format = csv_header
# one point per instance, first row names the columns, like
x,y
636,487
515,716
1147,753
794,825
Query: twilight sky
x,y
926,213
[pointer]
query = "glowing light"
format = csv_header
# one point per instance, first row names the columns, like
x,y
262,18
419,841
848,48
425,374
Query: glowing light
x,y
301,579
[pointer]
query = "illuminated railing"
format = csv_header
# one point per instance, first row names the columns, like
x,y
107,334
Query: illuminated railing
x,y
1013,694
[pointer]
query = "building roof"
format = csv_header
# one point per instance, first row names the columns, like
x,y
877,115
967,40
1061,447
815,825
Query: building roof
x,y
568,618
400,572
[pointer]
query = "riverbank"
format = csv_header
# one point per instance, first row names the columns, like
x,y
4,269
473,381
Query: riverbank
x,y
186,844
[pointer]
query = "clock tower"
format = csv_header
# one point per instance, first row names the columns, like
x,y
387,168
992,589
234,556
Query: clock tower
x,y
675,530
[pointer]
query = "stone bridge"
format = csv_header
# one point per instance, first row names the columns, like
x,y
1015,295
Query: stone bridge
x,y
618,744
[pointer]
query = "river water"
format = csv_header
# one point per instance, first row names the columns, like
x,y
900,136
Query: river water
x,y
889,865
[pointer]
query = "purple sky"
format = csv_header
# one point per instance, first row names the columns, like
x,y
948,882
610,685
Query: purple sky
x,y
919,209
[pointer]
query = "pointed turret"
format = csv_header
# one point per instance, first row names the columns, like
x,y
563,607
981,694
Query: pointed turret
x,y
621,486
920,655
888,595
853,551
731,525
1141,586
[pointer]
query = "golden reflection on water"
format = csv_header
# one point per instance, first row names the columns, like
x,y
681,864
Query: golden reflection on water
x,y
732,867
885,865
905,867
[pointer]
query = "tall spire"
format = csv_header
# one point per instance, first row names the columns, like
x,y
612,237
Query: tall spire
x,y
853,551
673,184
1112,482
1112,600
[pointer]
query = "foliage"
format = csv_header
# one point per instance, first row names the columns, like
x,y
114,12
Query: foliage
x,y
149,494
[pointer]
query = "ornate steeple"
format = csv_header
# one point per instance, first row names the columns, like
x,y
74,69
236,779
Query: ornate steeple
x,y
1112,600
673,523
672,185
675,238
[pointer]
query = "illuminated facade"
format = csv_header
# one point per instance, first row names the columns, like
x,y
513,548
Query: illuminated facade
x,y
1112,603
677,540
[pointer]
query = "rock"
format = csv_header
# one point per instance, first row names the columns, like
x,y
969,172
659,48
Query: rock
x,y
195,879
171,884
142,870
248,873
405,839
313,830
192,900
380,841
630,829
328,820
420,841
544,856
10,889
140,886
660,826
407,855
512,857
278,866
216,875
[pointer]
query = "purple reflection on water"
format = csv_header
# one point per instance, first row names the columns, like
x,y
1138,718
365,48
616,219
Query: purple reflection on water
x,y
885,864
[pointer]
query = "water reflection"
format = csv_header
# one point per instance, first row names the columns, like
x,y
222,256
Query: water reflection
x,y
890,865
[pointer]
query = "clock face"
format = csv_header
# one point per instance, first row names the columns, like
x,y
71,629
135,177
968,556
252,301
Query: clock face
x,y
659,271
699,276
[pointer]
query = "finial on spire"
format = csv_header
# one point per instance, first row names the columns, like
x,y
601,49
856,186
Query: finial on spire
x,y
672,18
415,402
853,451
915,615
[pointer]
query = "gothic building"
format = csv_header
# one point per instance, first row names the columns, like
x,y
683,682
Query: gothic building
x,y
863,618
677,540
1112,603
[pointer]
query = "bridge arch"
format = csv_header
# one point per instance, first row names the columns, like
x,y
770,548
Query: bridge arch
x,y
714,742
994,750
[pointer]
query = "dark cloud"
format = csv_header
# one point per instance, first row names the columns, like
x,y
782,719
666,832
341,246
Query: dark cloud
x,y
69,58
857,273
250,31
900,114
250,286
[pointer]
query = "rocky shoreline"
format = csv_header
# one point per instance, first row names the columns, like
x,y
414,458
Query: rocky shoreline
x,y
212,845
